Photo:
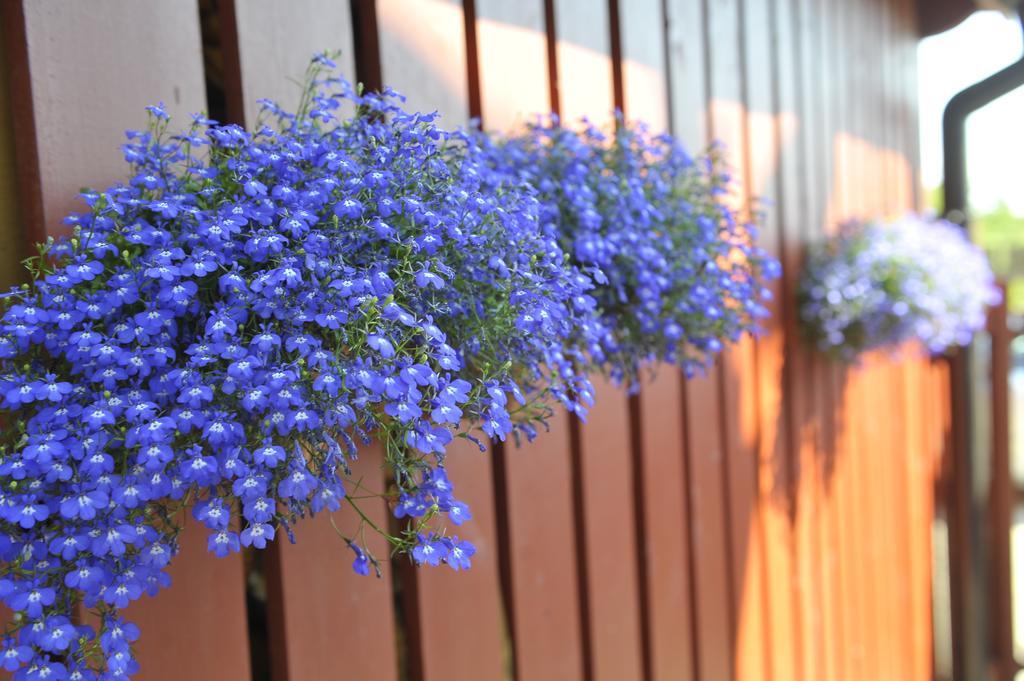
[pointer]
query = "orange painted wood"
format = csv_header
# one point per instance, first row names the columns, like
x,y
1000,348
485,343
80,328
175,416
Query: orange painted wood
x,y
667,555
197,628
607,494
770,130
709,529
828,373
544,591
840,502
788,639
325,620
812,406
459,628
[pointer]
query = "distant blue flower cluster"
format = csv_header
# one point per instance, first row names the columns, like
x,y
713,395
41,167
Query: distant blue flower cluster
x,y
218,334
878,285
677,273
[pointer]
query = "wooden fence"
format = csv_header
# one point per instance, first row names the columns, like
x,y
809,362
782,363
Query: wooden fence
x,y
769,521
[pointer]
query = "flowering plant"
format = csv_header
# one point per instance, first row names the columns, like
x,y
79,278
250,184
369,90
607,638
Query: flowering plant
x,y
879,285
216,334
676,270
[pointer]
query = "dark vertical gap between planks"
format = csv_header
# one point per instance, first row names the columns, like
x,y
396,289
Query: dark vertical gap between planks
x,y
504,537
797,356
367,44
222,75
231,98
552,43
23,122
472,61
618,90
408,636
643,585
579,527
684,416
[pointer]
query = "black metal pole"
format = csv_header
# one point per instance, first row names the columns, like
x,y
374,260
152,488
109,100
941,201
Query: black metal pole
x,y
965,497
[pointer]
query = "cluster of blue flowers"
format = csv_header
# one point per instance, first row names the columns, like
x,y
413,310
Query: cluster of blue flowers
x,y
218,334
878,285
676,271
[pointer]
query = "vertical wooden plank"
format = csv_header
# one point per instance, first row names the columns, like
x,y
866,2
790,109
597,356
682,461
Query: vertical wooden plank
x,y
920,479
788,661
642,39
545,595
738,365
842,502
457,631
196,629
607,495
583,67
275,42
612,608
512,62
423,43
770,137
542,594
667,550
897,463
827,372
814,413
658,413
325,620
708,492
81,75
310,584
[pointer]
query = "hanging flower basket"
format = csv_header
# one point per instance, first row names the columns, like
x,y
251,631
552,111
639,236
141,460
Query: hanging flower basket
x,y
879,285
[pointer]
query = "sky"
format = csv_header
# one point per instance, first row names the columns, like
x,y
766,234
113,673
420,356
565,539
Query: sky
x,y
947,63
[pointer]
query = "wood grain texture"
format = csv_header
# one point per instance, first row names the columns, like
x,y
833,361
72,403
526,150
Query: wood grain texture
x,y
611,542
276,41
513,62
197,628
325,621
583,62
545,593
92,68
423,43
